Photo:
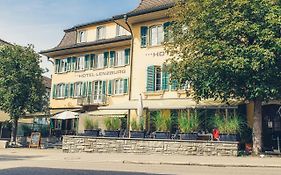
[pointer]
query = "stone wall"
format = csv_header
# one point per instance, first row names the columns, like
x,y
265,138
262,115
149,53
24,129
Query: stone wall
x,y
74,144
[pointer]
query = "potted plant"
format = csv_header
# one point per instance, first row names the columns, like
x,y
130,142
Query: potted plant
x,y
163,126
229,127
188,126
137,128
112,127
91,127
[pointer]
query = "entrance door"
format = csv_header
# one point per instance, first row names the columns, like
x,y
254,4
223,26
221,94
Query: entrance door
x,y
271,128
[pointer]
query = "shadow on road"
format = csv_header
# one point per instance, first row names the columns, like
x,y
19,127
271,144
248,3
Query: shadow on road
x,y
51,171
12,158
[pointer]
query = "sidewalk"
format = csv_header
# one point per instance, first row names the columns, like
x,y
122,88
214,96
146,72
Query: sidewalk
x,y
213,161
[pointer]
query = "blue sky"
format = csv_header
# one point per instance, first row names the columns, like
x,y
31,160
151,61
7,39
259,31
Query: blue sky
x,y
41,22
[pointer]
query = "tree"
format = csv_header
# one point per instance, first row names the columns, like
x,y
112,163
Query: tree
x,y
21,83
228,49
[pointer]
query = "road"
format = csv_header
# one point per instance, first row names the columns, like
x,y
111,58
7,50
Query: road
x,y
33,162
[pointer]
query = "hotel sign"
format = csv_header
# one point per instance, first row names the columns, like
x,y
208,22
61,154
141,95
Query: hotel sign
x,y
99,74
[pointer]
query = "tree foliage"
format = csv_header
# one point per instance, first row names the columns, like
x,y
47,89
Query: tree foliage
x,y
227,49
21,83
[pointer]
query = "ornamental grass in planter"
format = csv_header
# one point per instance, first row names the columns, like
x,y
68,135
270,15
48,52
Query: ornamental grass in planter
x,y
91,127
137,128
112,127
189,126
163,126
229,127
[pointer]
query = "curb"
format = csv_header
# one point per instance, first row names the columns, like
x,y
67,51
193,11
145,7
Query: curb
x,y
201,164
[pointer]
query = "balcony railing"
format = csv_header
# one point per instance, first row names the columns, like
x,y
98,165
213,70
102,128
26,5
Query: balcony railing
x,y
100,99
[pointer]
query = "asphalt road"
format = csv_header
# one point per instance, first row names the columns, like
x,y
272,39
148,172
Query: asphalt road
x,y
52,162
192,170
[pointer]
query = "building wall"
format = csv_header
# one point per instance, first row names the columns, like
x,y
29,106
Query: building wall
x,y
144,57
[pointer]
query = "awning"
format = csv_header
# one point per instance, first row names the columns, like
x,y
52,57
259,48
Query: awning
x,y
66,115
57,111
113,113
174,104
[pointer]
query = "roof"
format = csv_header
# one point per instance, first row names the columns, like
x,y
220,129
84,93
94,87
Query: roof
x,y
89,24
2,42
149,6
47,82
85,44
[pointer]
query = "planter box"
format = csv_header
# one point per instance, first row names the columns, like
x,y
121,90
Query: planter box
x,y
229,137
162,135
92,132
137,134
111,133
188,136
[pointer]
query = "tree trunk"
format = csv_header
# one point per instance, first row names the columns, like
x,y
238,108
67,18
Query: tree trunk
x,y
14,130
257,127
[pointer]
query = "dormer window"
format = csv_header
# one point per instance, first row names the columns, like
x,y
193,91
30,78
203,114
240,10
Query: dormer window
x,y
100,32
81,36
121,31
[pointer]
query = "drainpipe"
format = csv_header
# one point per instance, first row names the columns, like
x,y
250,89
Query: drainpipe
x,y
131,68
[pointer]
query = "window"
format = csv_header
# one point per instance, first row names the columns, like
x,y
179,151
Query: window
x,y
100,61
99,88
78,89
101,32
60,89
119,86
120,58
120,31
79,63
156,35
157,79
81,36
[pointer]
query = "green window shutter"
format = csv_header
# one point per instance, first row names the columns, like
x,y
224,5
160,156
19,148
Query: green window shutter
x,y
69,64
127,56
87,62
166,31
66,90
165,79
144,34
112,58
71,94
110,87
174,85
126,84
104,87
54,91
150,79
57,65
92,60
84,92
73,63
89,88
106,55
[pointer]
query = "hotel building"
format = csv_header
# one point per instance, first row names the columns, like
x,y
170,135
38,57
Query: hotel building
x,y
101,69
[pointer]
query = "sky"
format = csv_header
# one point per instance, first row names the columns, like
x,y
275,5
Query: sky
x,y
41,22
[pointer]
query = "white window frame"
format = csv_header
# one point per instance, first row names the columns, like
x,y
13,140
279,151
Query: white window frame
x,y
60,90
121,31
78,89
119,87
99,61
82,36
101,32
97,90
158,79
79,63
119,59
156,39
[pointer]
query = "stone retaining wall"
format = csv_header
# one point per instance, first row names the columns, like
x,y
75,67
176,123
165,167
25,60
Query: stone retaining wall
x,y
74,144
